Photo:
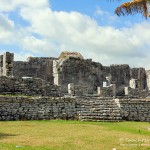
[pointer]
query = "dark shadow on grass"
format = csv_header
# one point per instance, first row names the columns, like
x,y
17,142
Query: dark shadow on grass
x,y
6,135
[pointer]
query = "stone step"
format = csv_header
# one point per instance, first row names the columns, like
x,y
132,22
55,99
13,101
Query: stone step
x,y
101,120
101,111
98,114
95,114
100,117
99,106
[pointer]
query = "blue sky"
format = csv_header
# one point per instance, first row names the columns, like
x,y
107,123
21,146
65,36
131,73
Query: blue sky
x,y
46,28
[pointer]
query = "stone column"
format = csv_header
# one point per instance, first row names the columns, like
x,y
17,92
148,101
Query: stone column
x,y
55,72
1,65
133,83
126,90
113,89
8,59
71,89
104,84
99,91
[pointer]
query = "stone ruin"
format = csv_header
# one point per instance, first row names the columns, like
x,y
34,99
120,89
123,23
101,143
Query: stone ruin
x,y
70,69
6,64
72,87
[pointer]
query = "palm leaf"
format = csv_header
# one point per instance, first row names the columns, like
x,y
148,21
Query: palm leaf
x,y
135,6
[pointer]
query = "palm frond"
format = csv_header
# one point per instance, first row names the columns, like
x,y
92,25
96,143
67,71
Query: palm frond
x,y
135,6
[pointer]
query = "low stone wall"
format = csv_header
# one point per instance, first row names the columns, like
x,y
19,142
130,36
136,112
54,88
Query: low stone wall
x,y
109,91
78,90
26,108
136,92
28,86
82,108
134,109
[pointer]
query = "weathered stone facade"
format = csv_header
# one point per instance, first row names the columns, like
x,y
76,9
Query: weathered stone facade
x,y
35,67
28,86
89,89
71,67
80,72
148,79
25,108
6,64
81,108
134,109
92,75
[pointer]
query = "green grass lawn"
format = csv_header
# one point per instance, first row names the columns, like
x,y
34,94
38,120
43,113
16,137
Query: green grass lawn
x,y
74,135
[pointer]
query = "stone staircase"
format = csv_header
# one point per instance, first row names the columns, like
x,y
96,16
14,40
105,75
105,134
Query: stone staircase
x,y
99,109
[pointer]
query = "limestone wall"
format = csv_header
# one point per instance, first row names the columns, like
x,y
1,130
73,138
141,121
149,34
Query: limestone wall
x,y
120,74
77,90
92,74
140,75
136,92
82,108
25,108
73,69
148,78
99,109
27,86
107,91
35,67
134,109
80,72
1,65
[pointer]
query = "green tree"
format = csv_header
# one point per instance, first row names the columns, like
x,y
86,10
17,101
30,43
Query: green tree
x,y
133,7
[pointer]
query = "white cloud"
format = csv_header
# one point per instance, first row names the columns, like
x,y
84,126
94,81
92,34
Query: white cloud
x,y
10,5
50,32
6,29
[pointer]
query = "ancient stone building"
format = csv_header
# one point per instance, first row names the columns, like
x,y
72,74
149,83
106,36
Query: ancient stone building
x,y
78,71
71,67
71,87
93,74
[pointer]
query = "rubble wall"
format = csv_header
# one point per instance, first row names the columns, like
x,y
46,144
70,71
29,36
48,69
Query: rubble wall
x,y
92,75
25,108
141,75
148,78
35,67
28,86
120,74
134,109
80,72
82,108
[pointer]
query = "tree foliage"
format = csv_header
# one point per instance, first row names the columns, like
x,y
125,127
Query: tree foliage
x,y
134,6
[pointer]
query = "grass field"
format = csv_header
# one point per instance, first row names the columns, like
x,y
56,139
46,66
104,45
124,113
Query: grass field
x,y
74,135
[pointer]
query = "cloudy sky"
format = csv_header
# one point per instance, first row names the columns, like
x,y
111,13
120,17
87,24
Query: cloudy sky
x,y
48,27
